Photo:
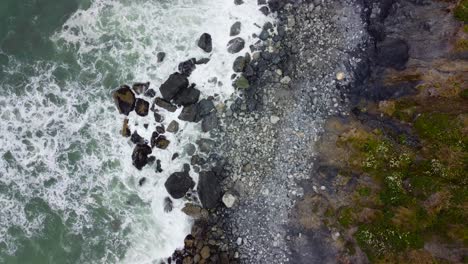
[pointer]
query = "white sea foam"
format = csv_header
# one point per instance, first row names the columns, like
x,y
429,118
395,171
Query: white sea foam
x,y
64,137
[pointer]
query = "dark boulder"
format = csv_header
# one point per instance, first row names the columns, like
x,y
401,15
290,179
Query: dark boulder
x,y
161,55
209,122
189,113
141,107
140,155
205,106
393,53
235,29
137,139
265,10
150,93
161,142
124,99
186,68
235,45
178,184
158,117
159,166
160,129
238,2
154,137
202,61
173,85
165,104
209,189
140,88
187,96
205,42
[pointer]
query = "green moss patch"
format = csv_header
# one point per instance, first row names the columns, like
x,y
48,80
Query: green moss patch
x,y
461,11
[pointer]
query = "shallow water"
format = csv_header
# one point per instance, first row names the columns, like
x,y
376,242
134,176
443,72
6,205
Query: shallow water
x,y
68,190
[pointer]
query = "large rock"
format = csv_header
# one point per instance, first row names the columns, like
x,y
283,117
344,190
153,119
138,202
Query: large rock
x,y
393,53
165,104
186,68
239,64
141,107
209,122
173,86
173,127
205,107
124,99
235,45
178,184
209,189
189,113
235,29
187,96
205,42
140,155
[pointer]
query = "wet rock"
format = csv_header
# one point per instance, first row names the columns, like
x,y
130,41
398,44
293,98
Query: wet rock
x,y
393,53
235,29
161,142
190,149
160,129
205,252
141,107
264,35
158,117
151,160
175,156
274,119
124,99
205,107
205,145
142,181
159,166
239,64
150,93
205,42
197,160
140,88
195,211
202,61
161,55
189,241
265,10
242,83
187,96
178,184
235,45
140,155
165,104
172,86
209,189
209,122
173,127
125,129
168,205
186,68
229,200
136,138
189,113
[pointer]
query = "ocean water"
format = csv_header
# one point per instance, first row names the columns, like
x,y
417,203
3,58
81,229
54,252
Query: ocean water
x,y
68,190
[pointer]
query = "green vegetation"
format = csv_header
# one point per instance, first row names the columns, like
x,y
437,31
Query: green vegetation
x,y
461,11
423,190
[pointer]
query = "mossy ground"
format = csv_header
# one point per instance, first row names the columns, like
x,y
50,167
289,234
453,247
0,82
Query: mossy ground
x,y
423,191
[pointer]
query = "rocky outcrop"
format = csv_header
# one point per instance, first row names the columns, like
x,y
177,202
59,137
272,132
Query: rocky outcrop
x,y
178,184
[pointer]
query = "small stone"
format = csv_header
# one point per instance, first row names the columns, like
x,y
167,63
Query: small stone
x,y
141,107
209,122
239,64
140,88
165,104
162,142
229,200
235,45
340,76
125,129
239,241
160,56
124,98
205,252
167,205
142,181
173,127
238,2
205,42
150,93
187,67
235,29
274,119
242,83
285,80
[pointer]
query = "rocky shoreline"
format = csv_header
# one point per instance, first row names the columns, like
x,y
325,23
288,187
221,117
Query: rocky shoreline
x,y
270,188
